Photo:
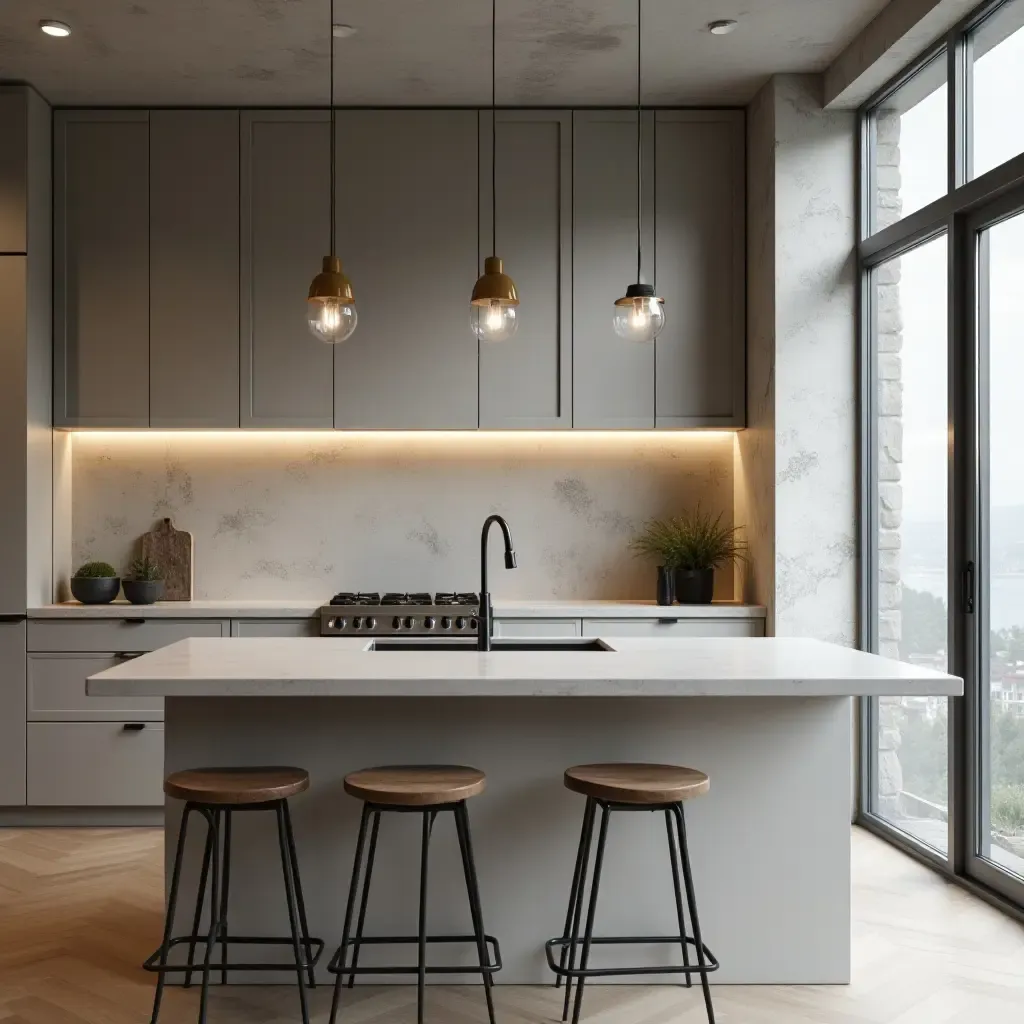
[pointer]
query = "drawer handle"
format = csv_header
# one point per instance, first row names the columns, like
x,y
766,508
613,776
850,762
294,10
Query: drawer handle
x,y
133,726
128,655
134,622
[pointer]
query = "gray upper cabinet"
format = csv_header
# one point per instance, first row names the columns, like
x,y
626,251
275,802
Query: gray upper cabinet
x,y
13,171
613,380
101,268
526,382
194,268
286,374
699,199
408,237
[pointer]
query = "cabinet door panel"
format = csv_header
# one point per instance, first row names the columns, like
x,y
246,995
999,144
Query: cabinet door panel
x,y
527,381
101,268
12,714
194,262
673,629
408,238
613,380
286,374
700,236
530,628
13,171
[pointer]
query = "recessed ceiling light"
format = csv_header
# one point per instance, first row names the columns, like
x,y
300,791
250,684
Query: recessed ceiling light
x,y
721,28
343,31
55,28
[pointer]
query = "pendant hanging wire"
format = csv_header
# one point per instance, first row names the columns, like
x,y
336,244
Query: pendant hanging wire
x,y
494,126
639,143
333,137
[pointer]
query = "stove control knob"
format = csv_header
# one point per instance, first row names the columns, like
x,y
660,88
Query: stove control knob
x,y
460,623
408,623
357,623
338,624
396,623
371,623
472,623
446,623
428,622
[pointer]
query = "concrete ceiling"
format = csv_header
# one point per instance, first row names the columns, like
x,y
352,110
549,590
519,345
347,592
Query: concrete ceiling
x,y
416,52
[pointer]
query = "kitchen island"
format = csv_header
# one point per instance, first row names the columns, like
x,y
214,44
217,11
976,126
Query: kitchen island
x,y
768,720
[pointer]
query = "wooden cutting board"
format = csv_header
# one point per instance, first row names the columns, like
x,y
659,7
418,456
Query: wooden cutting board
x,y
171,549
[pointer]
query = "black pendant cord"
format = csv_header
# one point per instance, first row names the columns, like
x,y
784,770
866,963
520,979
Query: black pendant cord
x,y
639,147
494,126
333,143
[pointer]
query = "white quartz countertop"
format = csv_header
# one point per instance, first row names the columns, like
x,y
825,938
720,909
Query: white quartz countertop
x,y
720,667
301,609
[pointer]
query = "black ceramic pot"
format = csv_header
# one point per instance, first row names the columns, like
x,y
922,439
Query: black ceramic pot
x,y
695,586
95,589
143,591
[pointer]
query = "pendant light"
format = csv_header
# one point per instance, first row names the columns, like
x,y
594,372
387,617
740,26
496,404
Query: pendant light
x,y
492,308
639,315
331,306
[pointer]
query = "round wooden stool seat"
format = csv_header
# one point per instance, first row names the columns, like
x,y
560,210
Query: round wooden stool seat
x,y
415,785
637,783
236,785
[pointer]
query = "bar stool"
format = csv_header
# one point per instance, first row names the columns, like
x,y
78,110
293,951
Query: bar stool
x,y
428,790
215,794
630,787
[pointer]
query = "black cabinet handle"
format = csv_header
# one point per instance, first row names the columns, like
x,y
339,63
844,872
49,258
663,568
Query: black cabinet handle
x,y
133,726
134,622
128,655
969,588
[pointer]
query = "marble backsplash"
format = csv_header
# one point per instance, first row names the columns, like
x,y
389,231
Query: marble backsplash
x,y
303,515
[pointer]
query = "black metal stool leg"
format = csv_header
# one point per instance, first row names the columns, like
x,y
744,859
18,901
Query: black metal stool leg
x,y
691,901
586,839
204,874
294,859
172,903
473,891
573,894
677,892
365,897
293,919
214,823
224,899
342,953
421,963
591,910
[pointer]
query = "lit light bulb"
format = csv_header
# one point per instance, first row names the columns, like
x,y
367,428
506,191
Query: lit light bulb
x,y
639,317
331,320
493,322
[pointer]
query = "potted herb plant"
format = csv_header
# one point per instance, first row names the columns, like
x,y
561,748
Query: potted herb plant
x,y
144,583
95,583
691,546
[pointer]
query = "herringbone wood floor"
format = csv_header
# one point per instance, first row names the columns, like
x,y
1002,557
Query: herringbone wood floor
x,y
80,909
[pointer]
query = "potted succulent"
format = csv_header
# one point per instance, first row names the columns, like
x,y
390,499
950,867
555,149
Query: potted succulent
x,y
95,583
691,546
144,583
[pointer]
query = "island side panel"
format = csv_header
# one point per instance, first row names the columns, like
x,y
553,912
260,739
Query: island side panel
x,y
770,843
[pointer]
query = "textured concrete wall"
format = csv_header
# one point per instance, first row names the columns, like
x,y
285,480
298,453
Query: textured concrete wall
x,y
802,362
304,515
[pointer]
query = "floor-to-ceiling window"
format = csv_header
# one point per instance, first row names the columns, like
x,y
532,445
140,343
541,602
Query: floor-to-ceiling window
x,y
942,344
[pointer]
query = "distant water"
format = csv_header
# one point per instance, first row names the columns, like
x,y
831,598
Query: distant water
x,y
1006,606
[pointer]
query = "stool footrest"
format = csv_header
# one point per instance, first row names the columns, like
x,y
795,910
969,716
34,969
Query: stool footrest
x,y
199,942
626,940
494,960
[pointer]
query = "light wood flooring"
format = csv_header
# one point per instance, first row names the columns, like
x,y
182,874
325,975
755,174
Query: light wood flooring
x,y
80,910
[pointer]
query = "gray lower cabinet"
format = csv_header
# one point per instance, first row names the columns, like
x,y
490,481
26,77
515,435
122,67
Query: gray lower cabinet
x,y
12,714
95,764
674,628
526,382
408,237
101,268
193,321
286,375
56,691
537,627
276,627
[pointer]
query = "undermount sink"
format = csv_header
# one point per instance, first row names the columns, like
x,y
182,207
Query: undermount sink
x,y
469,644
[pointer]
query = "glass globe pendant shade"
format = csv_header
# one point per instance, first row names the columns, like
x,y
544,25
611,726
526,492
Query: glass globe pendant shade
x,y
639,315
492,311
331,306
